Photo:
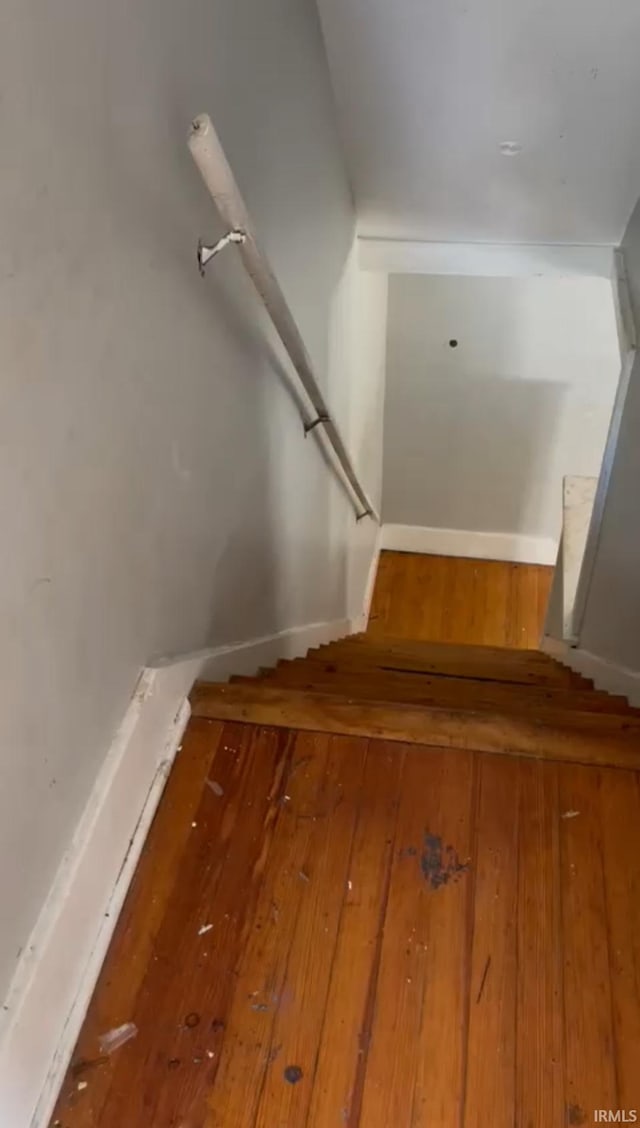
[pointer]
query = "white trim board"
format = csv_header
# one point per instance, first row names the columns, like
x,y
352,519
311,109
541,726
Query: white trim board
x,y
361,624
605,675
485,260
362,606
578,494
247,657
57,973
515,547
625,321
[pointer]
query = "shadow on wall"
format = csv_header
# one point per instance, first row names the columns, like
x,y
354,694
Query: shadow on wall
x,y
475,454
496,388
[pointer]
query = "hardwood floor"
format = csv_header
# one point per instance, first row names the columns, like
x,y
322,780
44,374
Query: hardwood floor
x,y
335,928
348,931
448,599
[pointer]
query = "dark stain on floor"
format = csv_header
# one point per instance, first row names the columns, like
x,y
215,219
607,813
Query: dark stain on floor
x,y
440,864
293,1074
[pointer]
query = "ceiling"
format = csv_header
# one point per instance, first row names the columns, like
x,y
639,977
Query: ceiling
x,y
489,120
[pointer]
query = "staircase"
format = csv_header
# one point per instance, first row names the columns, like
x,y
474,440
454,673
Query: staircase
x,y
479,698
393,882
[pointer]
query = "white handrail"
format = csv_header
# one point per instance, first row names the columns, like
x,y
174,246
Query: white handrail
x,y
210,158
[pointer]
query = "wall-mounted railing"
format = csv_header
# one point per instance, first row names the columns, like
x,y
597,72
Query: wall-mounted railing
x,y
216,172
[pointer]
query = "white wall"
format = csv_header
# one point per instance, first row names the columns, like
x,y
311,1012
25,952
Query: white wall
x,y
358,359
611,621
478,437
157,494
429,92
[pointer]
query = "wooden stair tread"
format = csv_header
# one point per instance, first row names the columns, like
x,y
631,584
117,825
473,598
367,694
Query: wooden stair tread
x,y
580,737
362,638
448,650
438,690
447,665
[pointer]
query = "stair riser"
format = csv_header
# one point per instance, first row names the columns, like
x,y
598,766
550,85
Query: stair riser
x,y
585,738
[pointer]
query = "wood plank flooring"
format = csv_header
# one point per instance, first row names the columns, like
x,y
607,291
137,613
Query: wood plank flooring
x,y
349,932
449,599
336,929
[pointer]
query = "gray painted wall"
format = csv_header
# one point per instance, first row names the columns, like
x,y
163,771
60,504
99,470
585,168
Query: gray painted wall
x,y
478,437
611,622
156,492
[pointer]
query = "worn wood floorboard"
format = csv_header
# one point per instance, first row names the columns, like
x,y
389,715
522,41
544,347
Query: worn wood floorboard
x,y
298,1021
590,1057
449,599
621,865
413,1068
539,1046
489,1090
348,1016
261,960
444,858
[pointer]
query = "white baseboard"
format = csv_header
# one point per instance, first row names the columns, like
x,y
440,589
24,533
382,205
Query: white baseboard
x,y
371,582
247,657
514,547
604,675
359,622
555,648
59,967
